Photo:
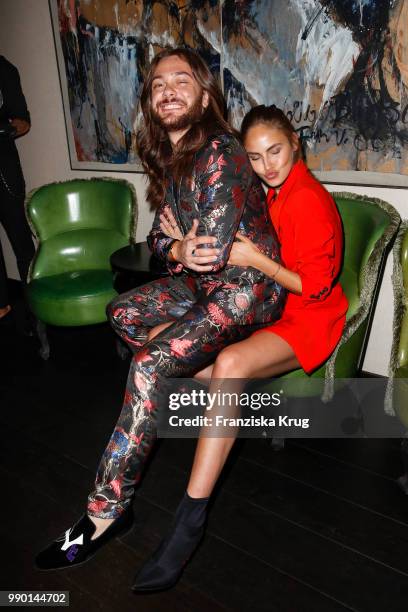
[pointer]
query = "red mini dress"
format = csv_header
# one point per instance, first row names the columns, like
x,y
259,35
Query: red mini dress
x,y
310,233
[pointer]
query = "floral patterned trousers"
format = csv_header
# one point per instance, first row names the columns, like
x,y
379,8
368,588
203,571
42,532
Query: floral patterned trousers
x,y
207,315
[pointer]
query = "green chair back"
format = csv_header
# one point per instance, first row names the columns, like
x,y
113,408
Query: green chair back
x,y
403,343
79,224
363,225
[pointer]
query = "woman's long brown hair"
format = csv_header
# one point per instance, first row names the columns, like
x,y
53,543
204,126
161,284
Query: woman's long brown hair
x,y
153,144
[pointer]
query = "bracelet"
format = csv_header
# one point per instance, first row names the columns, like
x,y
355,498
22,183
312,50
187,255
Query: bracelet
x,y
170,255
278,270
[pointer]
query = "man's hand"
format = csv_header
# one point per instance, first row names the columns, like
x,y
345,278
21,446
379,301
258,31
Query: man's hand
x,y
169,225
242,252
187,250
21,126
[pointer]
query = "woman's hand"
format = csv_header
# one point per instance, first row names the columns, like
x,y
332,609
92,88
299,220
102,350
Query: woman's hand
x,y
245,253
242,252
169,225
188,252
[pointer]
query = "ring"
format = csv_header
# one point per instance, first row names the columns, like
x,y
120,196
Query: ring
x,y
193,253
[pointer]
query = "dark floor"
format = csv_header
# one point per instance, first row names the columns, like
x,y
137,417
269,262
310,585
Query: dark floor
x,y
319,526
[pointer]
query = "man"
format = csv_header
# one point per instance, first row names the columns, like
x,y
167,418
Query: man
x,y
14,122
199,170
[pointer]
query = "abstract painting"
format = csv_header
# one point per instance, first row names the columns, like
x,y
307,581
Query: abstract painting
x,y
339,68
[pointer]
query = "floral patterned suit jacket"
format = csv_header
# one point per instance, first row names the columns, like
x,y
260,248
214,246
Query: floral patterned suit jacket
x,y
225,195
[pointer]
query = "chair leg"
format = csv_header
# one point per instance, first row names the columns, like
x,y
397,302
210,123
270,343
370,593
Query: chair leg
x,y
402,481
41,329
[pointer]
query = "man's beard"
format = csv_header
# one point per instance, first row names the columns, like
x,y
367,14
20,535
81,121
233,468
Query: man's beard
x,y
193,115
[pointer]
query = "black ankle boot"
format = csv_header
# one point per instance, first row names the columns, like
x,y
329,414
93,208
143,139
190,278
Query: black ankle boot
x,y
164,569
76,546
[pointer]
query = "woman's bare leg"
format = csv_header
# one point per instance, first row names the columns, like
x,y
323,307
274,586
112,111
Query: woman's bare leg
x,y
260,356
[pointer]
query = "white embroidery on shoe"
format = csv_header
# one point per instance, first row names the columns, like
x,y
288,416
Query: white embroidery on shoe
x,y
67,543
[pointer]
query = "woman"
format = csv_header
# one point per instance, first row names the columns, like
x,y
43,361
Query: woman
x,y
309,229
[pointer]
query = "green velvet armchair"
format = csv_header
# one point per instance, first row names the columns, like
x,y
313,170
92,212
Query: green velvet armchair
x,y
78,225
396,398
369,226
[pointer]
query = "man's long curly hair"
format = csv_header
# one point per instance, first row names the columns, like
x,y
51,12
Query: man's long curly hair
x,y
153,144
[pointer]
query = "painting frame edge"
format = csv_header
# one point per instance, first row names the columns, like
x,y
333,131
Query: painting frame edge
x,y
75,164
361,178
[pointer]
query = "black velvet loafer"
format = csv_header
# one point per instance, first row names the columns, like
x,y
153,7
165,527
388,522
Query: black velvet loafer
x,y
75,546
164,569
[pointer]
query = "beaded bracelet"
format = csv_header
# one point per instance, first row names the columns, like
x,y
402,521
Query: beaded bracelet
x,y
278,270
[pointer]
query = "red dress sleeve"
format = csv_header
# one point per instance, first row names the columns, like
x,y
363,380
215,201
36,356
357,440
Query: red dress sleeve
x,y
317,244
